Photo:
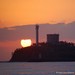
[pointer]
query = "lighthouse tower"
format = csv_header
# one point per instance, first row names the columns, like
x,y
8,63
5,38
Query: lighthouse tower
x,y
37,34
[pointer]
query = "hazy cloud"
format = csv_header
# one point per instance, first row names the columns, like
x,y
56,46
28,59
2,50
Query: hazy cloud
x,y
66,31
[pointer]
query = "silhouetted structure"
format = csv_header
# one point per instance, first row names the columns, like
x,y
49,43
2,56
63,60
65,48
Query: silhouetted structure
x,y
52,38
37,34
53,50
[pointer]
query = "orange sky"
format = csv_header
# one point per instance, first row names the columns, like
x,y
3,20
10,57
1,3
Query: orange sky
x,y
18,12
23,12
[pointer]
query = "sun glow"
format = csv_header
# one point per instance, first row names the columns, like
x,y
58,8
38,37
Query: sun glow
x,y
26,42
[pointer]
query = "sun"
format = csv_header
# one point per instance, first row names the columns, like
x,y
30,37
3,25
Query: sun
x,y
26,42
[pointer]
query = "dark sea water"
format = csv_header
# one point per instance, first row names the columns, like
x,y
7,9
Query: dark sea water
x,y
37,68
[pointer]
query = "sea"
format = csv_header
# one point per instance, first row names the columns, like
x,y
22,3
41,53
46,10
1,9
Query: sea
x,y
37,68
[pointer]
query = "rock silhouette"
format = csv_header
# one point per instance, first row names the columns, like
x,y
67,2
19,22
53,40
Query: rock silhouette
x,y
45,52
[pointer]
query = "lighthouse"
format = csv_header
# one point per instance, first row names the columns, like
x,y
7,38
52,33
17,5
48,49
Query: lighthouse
x,y
37,34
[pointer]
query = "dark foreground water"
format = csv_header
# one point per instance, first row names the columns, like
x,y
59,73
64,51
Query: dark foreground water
x,y
38,68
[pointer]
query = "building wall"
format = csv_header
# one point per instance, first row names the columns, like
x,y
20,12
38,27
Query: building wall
x,y
52,38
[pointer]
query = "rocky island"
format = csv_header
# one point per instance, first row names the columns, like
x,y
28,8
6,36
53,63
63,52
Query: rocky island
x,y
45,52
52,50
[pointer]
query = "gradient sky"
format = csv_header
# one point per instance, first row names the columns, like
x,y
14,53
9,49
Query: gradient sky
x,y
23,12
18,17
10,37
